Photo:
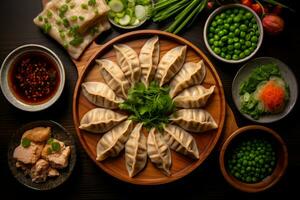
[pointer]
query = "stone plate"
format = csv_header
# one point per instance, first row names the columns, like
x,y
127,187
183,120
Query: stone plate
x,y
58,132
286,74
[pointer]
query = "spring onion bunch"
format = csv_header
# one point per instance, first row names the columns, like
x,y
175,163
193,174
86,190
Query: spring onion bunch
x,y
183,12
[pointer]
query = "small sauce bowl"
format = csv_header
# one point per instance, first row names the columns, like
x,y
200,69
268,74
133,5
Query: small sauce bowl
x,y
258,132
32,77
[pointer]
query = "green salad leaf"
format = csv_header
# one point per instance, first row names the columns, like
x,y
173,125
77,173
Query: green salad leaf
x,y
149,105
259,74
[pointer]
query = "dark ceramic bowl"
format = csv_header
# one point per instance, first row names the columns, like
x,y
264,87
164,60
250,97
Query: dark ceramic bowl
x,y
58,132
255,131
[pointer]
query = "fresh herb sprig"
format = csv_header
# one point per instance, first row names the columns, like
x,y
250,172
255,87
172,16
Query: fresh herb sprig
x,y
150,105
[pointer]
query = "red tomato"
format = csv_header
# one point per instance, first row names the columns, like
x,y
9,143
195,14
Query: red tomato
x,y
257,8
247,2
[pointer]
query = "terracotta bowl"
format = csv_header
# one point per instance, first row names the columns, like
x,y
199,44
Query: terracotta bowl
x,y
256,131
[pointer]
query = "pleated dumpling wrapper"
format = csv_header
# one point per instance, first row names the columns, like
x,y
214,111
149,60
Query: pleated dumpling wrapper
x,y
149,58
159,152
181,141
129,62
100,120
170,64
190,74
114,77
194,120
101,95
113,142
136,151
193,97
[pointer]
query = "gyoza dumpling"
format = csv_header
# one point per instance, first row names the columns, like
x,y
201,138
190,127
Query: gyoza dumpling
x,y
114,77
194,120
193,97
190,74
170,64
113,142
129,62
136,151
159,152
149,57
100,94
181,141
100,120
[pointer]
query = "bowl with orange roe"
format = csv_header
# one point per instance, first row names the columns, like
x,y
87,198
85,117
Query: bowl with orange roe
x,y
265,90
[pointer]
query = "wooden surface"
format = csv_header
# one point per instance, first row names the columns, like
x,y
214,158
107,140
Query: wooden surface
x,y
181,165
90,182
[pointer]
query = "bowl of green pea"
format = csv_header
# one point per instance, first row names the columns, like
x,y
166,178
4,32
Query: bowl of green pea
x,y
233,33
253,158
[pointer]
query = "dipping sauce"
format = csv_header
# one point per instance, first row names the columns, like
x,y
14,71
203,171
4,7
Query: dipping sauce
x,y
34,78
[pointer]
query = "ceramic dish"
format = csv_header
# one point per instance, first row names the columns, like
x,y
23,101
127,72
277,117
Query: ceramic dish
x,y
33,51
287,75
257,132
131,26
59,133
221,9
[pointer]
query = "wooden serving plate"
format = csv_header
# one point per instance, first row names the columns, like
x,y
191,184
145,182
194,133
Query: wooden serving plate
x,y
181,165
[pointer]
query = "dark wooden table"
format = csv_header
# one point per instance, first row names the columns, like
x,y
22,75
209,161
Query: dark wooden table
x,y
90,182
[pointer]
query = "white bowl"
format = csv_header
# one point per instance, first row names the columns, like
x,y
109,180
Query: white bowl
x,y
8,63
221,9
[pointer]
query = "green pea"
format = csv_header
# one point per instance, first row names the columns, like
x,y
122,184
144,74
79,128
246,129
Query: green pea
x,y
216,37
230,47
232,28
237,32
217,50
242,34
235,11
247,37
230,41
223,16
211,29
228,57
217,17
242,55
237,19
221,33
223,55
229,19
225,31
237,45
214,23
253,20
210,35
226,26
248,15
231,35
220,21
236,39
242,41
235,57
211,41
232,15
216,43
255,27
224,49
257,33
254,45
224,38
243,47
243,27
220,44
237,52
